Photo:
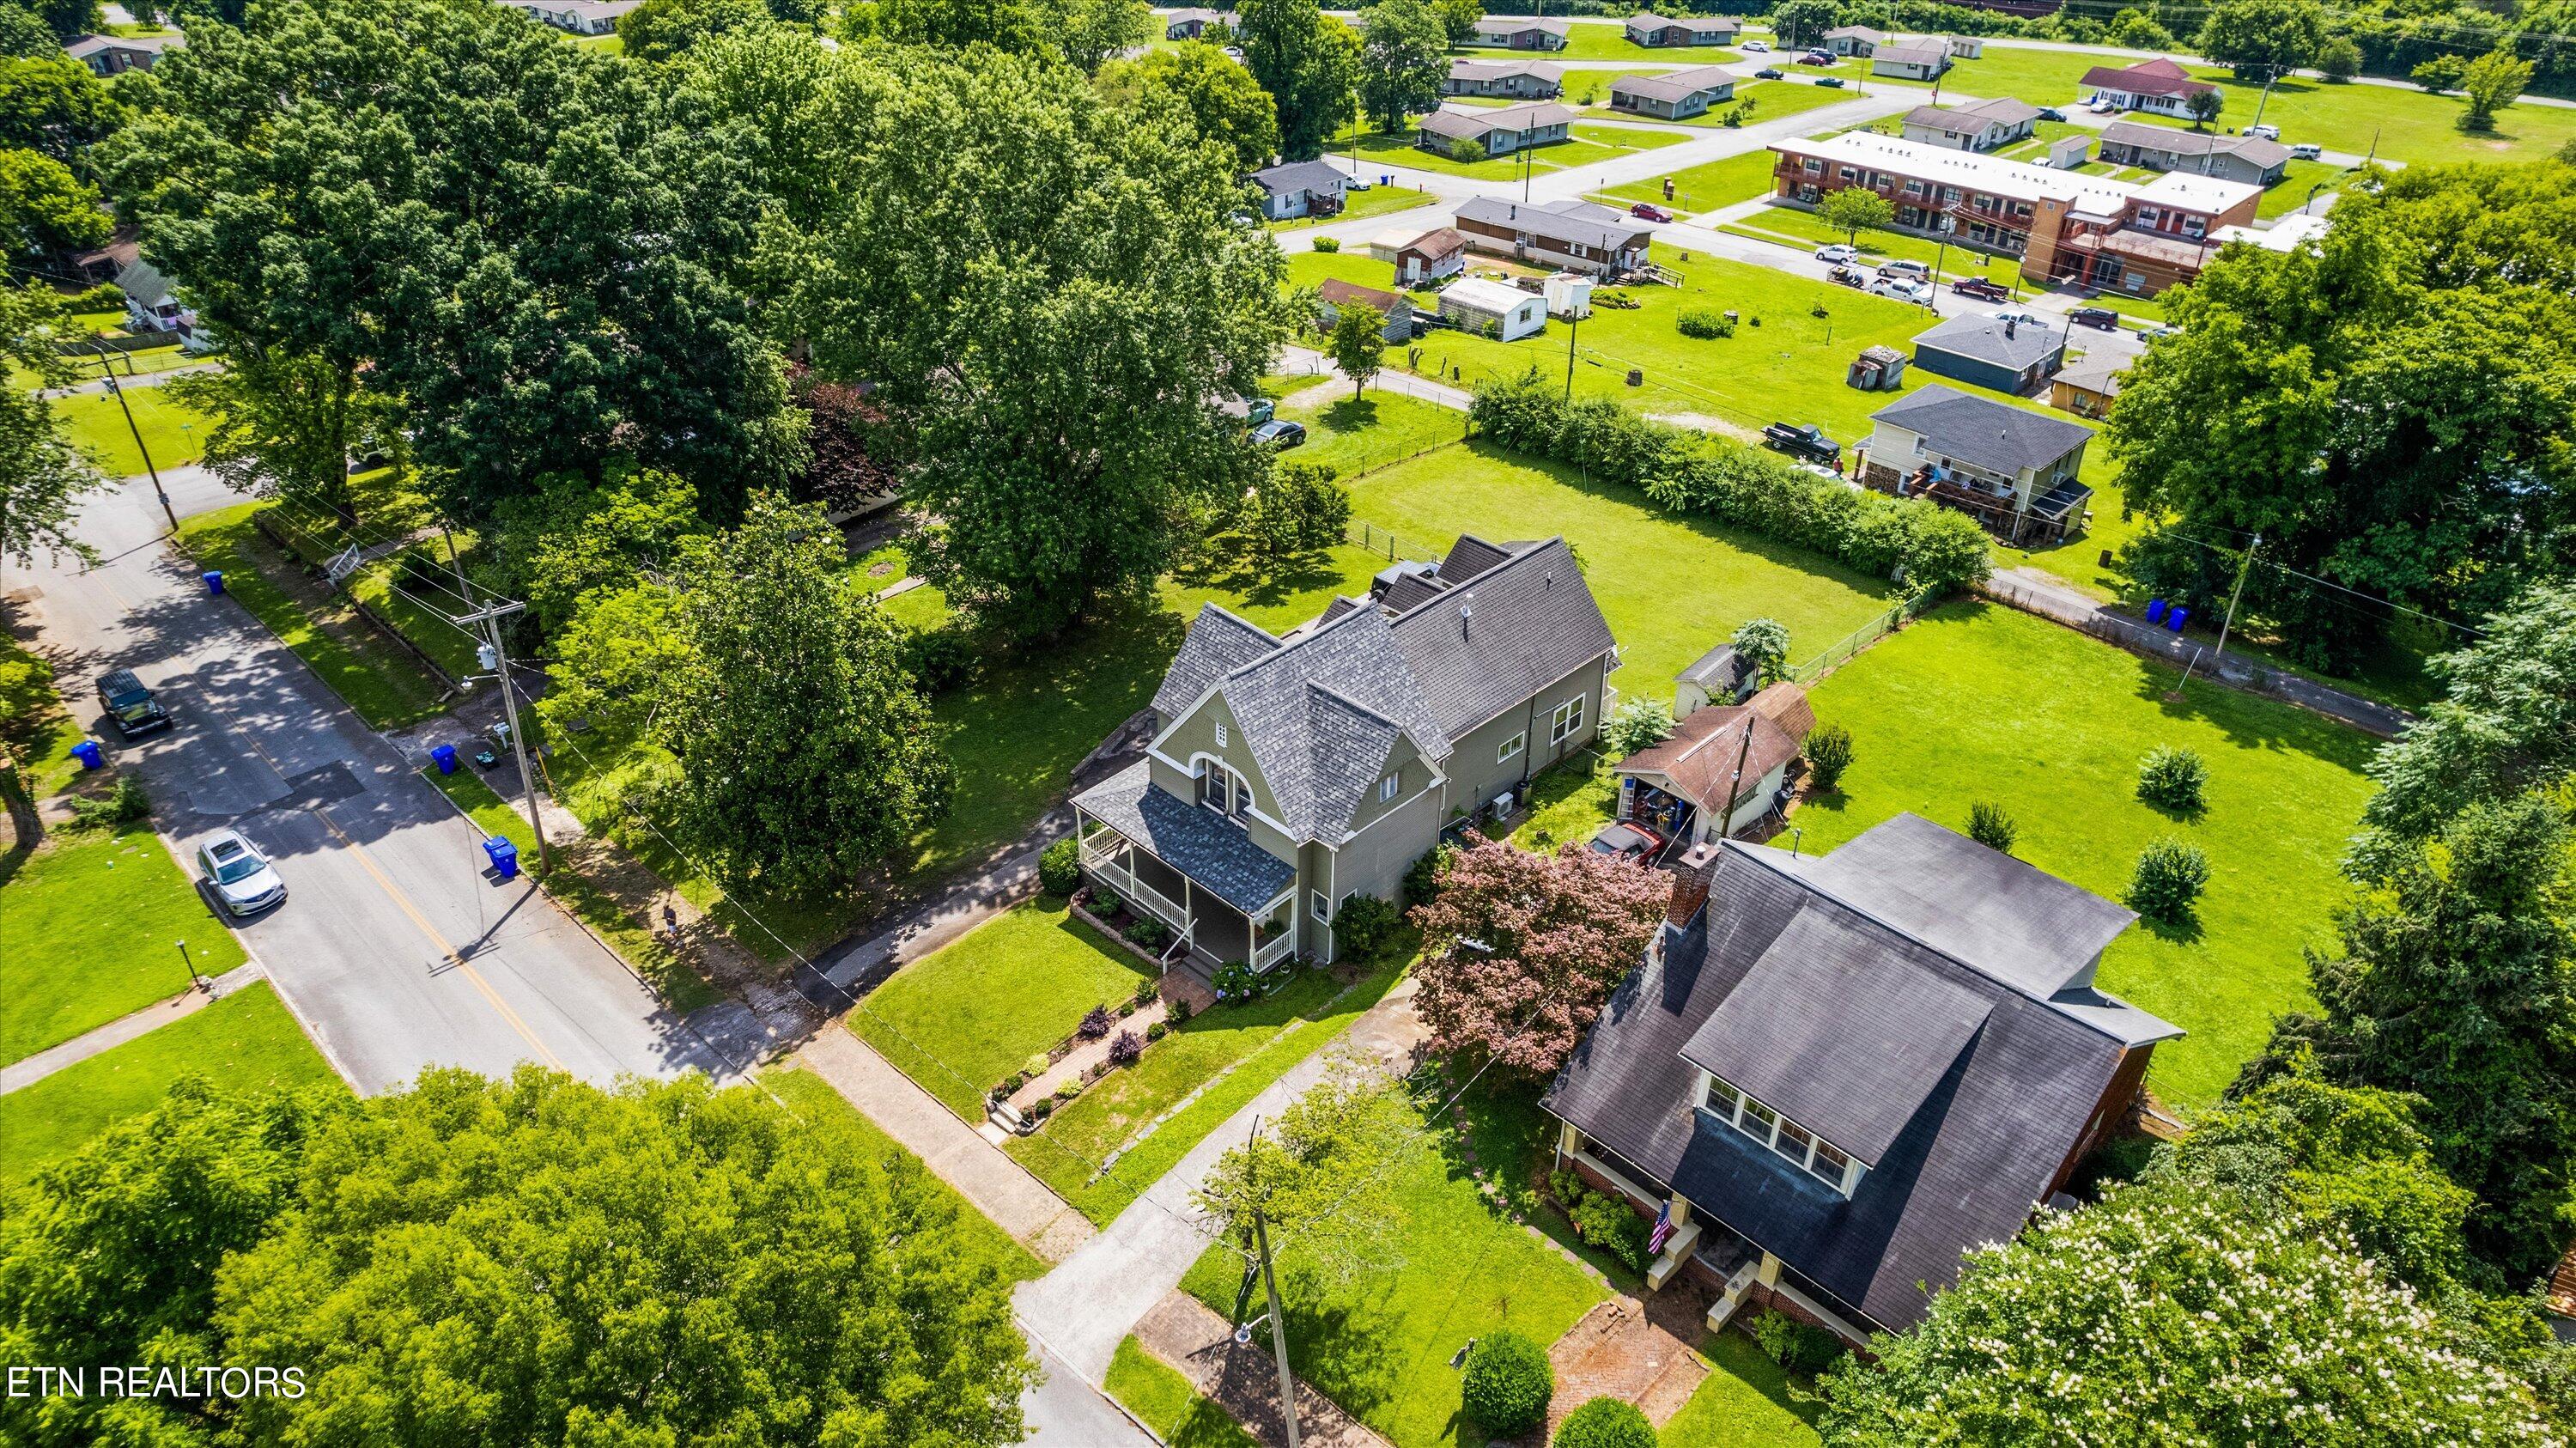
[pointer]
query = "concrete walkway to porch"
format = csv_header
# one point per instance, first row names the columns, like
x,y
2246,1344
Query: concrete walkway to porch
x,y
1087,1055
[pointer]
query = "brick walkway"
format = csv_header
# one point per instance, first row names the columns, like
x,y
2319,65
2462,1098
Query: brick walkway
x,y
1090,1053
1243,1380
1619,1351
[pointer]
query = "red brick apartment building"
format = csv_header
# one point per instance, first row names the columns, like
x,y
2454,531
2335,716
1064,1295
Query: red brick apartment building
x,y
2065,226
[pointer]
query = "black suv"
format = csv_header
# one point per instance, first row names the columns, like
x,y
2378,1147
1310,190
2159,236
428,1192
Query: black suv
x,y
130,704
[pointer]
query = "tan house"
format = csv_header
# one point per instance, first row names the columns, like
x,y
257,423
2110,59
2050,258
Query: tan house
x,y
1499,132
2012,470
1520,80
2086,389
1521,32
1675,96
1660,31
1570,234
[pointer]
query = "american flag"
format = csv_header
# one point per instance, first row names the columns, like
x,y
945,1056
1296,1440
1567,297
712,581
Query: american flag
x,y
1663,1232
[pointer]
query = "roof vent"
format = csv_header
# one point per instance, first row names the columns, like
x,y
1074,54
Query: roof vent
x,y
1466,611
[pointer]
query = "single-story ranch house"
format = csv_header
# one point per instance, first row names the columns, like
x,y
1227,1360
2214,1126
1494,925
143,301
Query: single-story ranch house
x,y
1857,40
1676,96
1187,24
2158,85
2013,471
1912,58
1291,773
108,55
1665,30
1520,80
1299,188
1521,32
1840,1073
1982,126
1575,235
1991,352
2249,159
1500,131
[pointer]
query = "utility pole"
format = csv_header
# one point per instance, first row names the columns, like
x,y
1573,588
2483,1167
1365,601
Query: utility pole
x,y
2274,74
107,370
2238,592
1573,324
490,618
1278,1329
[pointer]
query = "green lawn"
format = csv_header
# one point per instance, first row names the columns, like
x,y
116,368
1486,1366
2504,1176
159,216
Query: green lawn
x,y
246,1041
1772,99
1256,1043
39,729
1807,231
1356,434
1375,201
1705,187
94,423
960,1019
1380,1344
1748,1401
813,1099
2298,186
385,685
1568,803
89,931
1977,702
1387,148
1672,586
1164,1401
680,988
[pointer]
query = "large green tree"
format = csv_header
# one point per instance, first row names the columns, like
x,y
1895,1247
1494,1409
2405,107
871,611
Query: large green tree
x,y
1403,60
1089,33
805,754
287,425
2492,82
665,30
1309,62
54,105
2505,725
45,210
528,242
572,540
1051,346
1323,1176
41,474
2387,408
2263,38
1203,87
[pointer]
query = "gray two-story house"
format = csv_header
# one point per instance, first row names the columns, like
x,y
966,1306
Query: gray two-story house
x,y
1291,773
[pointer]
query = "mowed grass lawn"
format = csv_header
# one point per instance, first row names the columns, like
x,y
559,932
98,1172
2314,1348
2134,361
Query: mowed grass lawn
x,y
1746,1401
1380,1344
1704,187
813,1099
246,1041
1165,1402
89,930
1375,201
92,420
1592,144
1771,99
1977,702
1607,40
961,1018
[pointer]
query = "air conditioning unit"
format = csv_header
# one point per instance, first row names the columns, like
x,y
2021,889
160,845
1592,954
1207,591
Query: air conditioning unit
x,y
1502,805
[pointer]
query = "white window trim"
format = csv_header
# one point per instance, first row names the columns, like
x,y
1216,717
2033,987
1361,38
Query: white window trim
x,y
1806,1161
1320,905
1387,787
1566,721
1510,748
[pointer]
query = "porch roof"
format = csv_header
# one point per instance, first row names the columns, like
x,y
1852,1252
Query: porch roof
x,y
1215,853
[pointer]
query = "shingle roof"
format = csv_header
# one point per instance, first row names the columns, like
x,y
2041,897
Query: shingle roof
x,y
1989,434
143,283
1556,221
1859,32
1218,643
2006,109
2254,150
1992,1119
2010,345
1514,24
2092,376
1719,670
1298,176
1466,69
1213,851
1496,638
1474,125
1675,85
1321,713
1701,756
1337,291
1785,704
2158,77
1915,53
1437,243
1969,120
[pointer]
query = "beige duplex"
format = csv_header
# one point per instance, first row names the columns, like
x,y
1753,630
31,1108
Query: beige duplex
x,y
1292,773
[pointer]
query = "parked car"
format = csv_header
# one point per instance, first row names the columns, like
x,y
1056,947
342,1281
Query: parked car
x,y
1801,440
2025,318
1621,840
1757,47
1770,72
1649,211
2268,133
1279,433
1982,289
1850,276
1830,82
2052,113
240,877
130,705
2099,317
1359,183
1912,270
2307,152
1817,57
1258,410
2103,106
2159,329
1837,252
1903,289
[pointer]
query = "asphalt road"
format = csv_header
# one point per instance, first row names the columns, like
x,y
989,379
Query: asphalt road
x,y
394,947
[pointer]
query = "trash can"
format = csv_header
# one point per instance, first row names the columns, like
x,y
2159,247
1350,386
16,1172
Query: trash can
x,y
87,753
2174,619
444,756
2155,610
214,578
505,857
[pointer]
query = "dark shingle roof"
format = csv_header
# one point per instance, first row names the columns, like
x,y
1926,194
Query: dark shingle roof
x,y
1218,644
2009,345
2253,150
1995,1112
1533,622
1212,850
1989,434
1299,176
1322,712
1557,220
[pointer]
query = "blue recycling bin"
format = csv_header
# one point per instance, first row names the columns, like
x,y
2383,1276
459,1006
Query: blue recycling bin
x,y
444,756
2155,610
505,857
87,753
214,578
2174,619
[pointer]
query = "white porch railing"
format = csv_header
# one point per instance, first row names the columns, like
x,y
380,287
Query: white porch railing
x,y
1278,949
1105,865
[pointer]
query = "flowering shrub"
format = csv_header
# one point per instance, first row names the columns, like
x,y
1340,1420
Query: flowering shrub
x,y
1124,1050
1095,1023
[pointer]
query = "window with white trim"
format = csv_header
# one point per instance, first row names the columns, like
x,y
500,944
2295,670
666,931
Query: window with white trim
x,y
1802,1148
1567,721
1321,907
1386,787
1506,750
1223,790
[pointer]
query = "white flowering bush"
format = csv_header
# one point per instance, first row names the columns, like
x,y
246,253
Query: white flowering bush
x,y
2180,1320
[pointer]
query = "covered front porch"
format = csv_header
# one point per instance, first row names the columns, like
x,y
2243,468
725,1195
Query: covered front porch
x,y
1224,897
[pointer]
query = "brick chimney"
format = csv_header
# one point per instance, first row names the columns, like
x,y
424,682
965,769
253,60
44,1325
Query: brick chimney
x,y
1691,874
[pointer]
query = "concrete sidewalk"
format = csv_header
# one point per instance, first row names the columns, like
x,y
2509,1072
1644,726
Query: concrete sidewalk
x,y
20,1074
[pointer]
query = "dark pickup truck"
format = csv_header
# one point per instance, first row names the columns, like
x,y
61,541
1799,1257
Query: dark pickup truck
x,y
1804,440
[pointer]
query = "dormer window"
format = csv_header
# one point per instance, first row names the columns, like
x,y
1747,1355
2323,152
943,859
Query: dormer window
x,y
1795,1144
1223,790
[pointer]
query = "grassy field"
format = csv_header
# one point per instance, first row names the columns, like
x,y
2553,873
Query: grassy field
x,y
1352,434
89,930
385,685
2298,186
1608,40
41,729
961,1018
812,1097
1976,702
1704,187
246,1041
95,424
1254,1044
1375,201
1593,145
1380,1345
1749,1401
1164,1401
1771,99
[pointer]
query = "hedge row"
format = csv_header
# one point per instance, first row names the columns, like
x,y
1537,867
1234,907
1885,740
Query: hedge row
x,y
1689,472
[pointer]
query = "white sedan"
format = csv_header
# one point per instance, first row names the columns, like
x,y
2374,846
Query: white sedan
x,y
1837,254
1758,47
239,875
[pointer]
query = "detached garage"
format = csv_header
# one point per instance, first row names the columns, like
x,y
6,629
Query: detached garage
x,y
1494,309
